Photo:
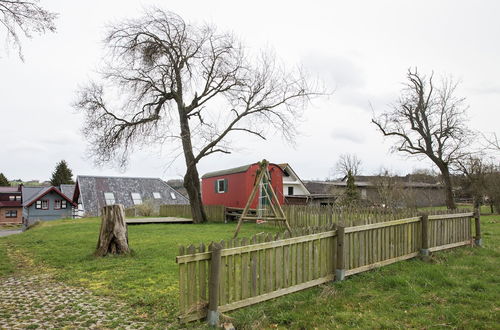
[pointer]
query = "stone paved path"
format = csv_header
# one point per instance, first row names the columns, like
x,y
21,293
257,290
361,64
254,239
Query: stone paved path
x,y
10,232
30,302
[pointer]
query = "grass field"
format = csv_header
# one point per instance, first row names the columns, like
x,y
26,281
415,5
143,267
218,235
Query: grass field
x,y
146,280
458,289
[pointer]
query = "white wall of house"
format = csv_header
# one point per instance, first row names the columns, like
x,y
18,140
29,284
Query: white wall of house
x,y
292,184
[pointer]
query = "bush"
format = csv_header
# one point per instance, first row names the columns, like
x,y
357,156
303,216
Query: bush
x,y
146,209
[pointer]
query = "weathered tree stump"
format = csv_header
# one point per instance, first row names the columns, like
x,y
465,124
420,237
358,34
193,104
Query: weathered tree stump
x,y
113,236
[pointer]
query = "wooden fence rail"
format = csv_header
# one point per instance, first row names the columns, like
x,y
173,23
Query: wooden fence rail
x,y
215,213
265,266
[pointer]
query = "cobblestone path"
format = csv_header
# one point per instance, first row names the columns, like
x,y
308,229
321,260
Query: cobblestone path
x,y
31,302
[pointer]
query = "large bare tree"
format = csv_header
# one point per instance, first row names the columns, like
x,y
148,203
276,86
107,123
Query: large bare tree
x,y
24,18
168,80
347,163
430,121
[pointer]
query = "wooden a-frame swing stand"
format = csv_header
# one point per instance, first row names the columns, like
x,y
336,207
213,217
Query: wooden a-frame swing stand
x,y
263,177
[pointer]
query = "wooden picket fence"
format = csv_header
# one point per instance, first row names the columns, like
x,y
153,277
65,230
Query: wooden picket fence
x,y
248,271
299,216
215,213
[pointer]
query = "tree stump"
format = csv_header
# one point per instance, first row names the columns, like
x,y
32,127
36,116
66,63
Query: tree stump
x,y
113,236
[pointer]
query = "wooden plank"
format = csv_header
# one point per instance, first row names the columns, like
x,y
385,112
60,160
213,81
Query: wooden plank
x,y
202,277
380,264
223,276
191,279
182,284
237,275
279,268
286,264
317,271
449,246
310,260
381,225
269,266
254,269
245,272
450,216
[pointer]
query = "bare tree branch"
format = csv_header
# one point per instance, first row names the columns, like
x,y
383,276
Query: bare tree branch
x,y
24,18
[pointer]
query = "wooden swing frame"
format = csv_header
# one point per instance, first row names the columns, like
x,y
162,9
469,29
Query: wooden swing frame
x,y
279,215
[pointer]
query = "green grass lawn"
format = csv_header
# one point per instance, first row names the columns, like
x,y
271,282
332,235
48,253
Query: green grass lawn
x,y
147,280
460,288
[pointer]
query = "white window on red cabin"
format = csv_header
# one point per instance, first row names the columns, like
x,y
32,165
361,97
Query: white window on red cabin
x,y
221,186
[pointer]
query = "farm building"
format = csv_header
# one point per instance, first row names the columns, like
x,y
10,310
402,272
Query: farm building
x,y
91,193
45,203
398,191
11,208
232,187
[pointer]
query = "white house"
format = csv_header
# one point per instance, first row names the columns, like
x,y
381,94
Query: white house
x,y
292,185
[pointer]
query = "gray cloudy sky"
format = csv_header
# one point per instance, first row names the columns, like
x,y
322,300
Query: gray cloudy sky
x,y
362,49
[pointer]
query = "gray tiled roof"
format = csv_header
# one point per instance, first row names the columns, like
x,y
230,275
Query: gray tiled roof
x,y
30,193
92,189
67,190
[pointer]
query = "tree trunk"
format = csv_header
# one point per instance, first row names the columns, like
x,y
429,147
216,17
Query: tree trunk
x,y
113,236
448,188
192,185
191,179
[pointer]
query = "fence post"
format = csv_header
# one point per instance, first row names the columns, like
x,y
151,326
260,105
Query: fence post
x,y
424,251
213,285
477,217
340,267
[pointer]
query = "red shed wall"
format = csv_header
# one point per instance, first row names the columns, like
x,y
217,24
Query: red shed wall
x,y
240,186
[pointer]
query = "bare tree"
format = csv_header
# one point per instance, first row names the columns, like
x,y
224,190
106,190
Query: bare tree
x,y
24,18
348,163
428,120
172,81
492,142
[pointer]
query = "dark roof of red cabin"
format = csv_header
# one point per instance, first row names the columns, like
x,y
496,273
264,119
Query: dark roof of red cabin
x,y
233,170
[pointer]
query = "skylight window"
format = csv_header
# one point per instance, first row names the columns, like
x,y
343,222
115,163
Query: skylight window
x,y
172,194
109,197
136,198
156,195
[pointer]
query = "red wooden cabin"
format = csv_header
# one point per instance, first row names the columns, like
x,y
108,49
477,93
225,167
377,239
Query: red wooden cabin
x,y
232,187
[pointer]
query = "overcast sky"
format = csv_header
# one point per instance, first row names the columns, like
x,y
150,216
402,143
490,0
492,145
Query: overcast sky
x,y
362,49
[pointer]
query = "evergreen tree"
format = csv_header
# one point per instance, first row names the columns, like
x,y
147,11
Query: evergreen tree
x,y
62,174
3,181
351,195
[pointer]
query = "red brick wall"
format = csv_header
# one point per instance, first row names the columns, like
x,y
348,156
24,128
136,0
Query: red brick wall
x,y
4,220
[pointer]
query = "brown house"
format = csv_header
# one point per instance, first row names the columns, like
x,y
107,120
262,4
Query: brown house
x,y
11,207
